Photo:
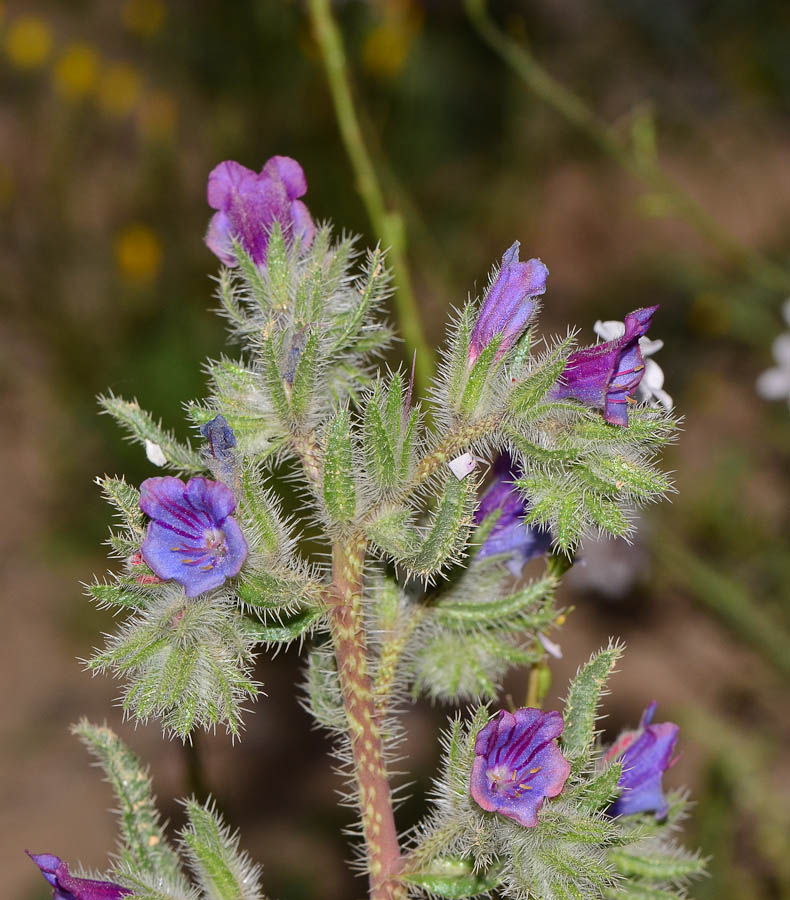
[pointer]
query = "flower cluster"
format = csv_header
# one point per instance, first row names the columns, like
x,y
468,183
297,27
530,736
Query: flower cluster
x,y
249,203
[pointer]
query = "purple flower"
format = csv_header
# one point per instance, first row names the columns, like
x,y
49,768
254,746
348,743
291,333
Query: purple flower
x,y
509,304
192,538
517,764
67,887
220,437
248,204
510,534
607,375
645,755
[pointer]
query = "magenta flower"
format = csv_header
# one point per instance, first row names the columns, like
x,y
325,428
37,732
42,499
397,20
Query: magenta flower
x,y
645,755
67,887
510,535
518,764
248,204
607,375
509,304
192,537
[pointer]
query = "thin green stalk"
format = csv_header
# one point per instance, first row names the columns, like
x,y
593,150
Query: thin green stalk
x,y
387,223
727,599
645,167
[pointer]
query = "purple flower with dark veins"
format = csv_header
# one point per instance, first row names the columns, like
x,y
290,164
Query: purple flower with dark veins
x,y
645,755
607,375
192,537
518,764
509,304
67,887
510,534
248,204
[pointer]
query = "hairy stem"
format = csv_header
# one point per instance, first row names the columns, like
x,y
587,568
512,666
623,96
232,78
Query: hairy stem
x,y
375,800
647,168
387,223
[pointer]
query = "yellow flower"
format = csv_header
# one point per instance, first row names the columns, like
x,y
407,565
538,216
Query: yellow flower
x,y
28,42
157,116
386,47
119,89
143,17
77,71
138,254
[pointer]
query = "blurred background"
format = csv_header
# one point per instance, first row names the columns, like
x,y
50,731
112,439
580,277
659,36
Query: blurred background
x,y
111,116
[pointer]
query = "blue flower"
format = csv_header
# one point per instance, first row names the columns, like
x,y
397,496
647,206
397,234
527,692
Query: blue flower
x,y
67,887
192,537
645,755
509,304
510,534
518,764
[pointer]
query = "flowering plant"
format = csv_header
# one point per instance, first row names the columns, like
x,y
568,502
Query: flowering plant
x,y
424,594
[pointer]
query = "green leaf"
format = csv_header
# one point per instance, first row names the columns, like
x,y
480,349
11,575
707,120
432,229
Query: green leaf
x,y
512,609
339,485
223,871
629,476
277,273
378,445
582,701
251,275
143,842
448,529
393,409
458,355
186,660
540,379
142,426
274,381
305,378
271,590
599,792
125,592
656,864
478,378
289,629
393,532
372,287
454,878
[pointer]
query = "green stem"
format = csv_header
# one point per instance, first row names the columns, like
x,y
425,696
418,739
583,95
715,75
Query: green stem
x,y
646,168
727,599
387,223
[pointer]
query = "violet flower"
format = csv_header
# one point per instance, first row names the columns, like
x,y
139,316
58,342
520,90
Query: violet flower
x,y
645,755
607,375
509,304
510,534
220,437
192,538
518,764
67,887
248,204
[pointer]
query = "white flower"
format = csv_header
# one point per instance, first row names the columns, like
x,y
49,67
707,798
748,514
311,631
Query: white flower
x,y
651,387
774,384
154,453
463,465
